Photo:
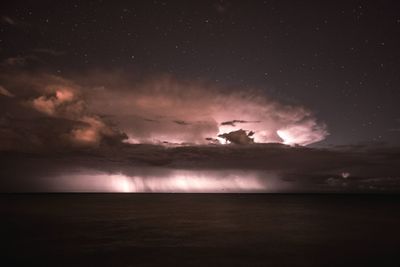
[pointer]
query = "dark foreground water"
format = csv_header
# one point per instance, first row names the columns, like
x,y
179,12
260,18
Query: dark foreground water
x,y
199,230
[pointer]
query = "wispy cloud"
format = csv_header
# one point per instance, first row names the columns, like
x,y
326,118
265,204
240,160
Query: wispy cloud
x,y
19,61
15,61
47,51
8,20
5,92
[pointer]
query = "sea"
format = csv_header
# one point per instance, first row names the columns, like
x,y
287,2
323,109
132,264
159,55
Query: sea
x,y
140,229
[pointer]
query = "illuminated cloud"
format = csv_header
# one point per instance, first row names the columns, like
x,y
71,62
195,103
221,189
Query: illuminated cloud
x,y
210,168
63,102
304,133
91,133
177,181
162,110
345,175
60,100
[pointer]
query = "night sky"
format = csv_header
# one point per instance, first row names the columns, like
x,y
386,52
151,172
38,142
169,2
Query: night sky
x,y
164,85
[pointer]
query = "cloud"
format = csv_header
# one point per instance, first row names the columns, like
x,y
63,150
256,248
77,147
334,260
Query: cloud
x,y
72,128
50,107
8,20
156,168
112,105
19,61
239,137
206,111
182,181
5,92
59,101
15,61
48,51
181,122
14,22
304,132
65,102
234,122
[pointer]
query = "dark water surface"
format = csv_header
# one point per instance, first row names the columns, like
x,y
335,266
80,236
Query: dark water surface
x,y
200,230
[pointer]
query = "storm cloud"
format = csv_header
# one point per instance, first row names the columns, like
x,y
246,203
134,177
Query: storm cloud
x,y
158,110
108,132
205,109
203,168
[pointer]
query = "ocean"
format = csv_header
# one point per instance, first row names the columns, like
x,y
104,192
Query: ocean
x,y
77,229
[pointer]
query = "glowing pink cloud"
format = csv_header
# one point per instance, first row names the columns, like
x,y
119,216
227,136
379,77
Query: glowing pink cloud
x,y
169,110
164,110
302,134
66,102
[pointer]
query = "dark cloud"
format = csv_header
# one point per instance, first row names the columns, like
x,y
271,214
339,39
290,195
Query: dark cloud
x,y
267,167
234,122
239,137
181,122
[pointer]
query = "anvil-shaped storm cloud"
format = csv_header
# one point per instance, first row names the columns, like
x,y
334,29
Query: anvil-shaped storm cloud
x,y
111,106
